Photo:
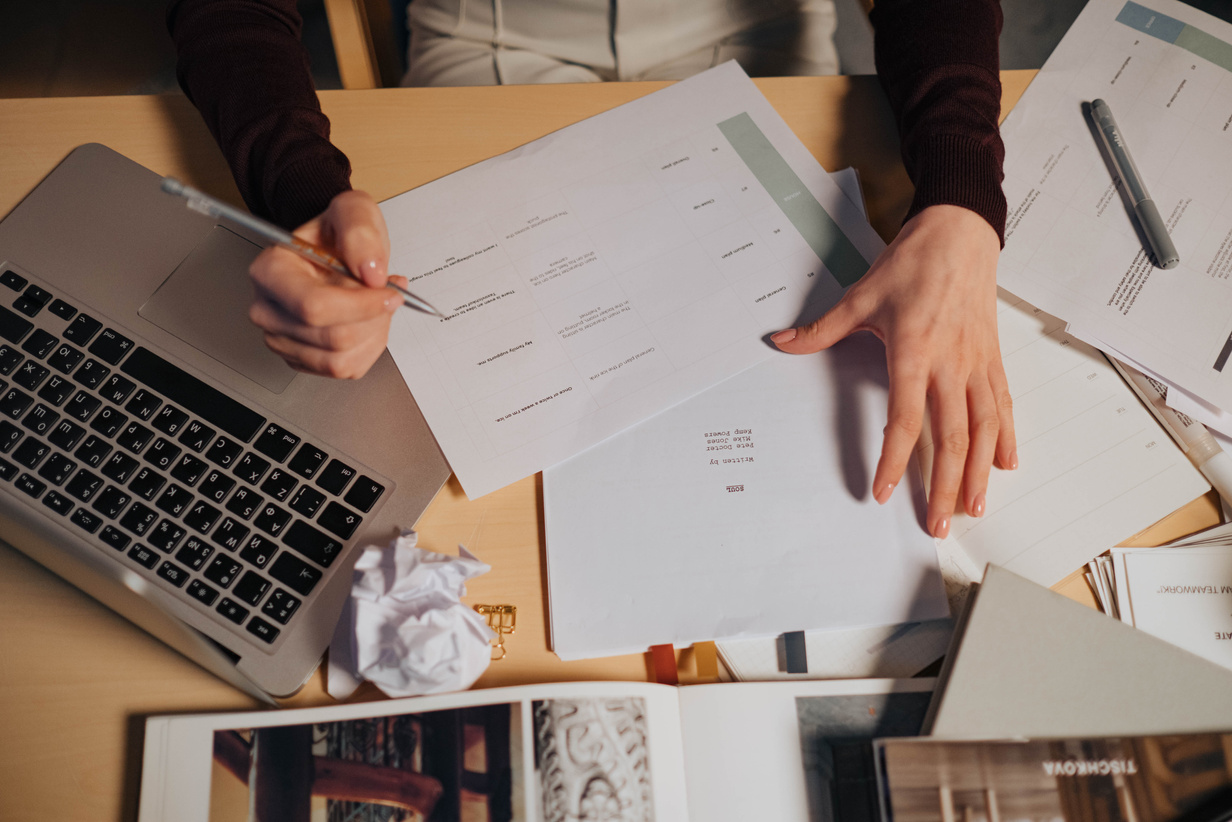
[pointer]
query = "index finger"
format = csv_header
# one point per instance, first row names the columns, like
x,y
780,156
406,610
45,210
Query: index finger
x,y
313,296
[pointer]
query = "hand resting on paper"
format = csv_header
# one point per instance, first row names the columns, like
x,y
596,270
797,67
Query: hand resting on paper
x,y
931,298
318,321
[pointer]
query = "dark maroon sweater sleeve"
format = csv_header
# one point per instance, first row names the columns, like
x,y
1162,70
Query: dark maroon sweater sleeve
x,y
242,65
939,64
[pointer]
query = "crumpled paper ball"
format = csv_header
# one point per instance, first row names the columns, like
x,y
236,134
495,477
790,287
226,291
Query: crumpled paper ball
x,y
405,628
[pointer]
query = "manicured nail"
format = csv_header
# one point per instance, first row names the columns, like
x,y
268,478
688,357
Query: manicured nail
x,y
1014,459
371,272
942,528
882,494
392,302
977,508
787,335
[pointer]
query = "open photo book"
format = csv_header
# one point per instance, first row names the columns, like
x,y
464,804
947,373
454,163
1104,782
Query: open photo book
x,y
550,753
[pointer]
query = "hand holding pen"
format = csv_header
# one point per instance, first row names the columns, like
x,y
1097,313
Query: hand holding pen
x,y
319,320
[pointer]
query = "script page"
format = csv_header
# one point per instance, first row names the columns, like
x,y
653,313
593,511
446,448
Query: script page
x,y
610,270
1072,247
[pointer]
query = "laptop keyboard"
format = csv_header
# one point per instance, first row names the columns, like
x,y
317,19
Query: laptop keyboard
x,y
234,511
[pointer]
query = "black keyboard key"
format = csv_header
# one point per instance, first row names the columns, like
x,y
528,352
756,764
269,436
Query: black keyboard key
x,y
251,588
272,519
279,484
82,329
165,536
85,520
173,573
307,501
146,484
201,592
114,538
91,374
39,295
111,346
170,420
13,280
9,435
143,405
216,486
58,502
82,405
280,606
296,574
232,610
139,519
109,421
276,442
66,435
308,460
93,451
84,485
251,468
57,469
62,310
120,467
41,419
143,556
7,470
230,534
201,516
9,359
134,437
175,500
244,502
56,391
262,630
30,375
40,344
65,359
27,306
14,403
320,548
335,477
364,493
116,389
197,436
200,398
194,553
31,452
29,485
259,551
223,570
162,454
188,470
224,452
13,327
110,503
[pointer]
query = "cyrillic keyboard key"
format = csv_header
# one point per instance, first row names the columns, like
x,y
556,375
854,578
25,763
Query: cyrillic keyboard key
x,y
9,435
272,519
307,460
66,435
31,452
280,606
30,375
108,421
134,437
91,374
194,553
84,485
40,344
223,570
296,574
188,470
198,397
175,500
116,389
223,452
9,359
82,405
146,484
14,403
120,467
93,451
318,547
110,503
57,469
259,551
139,519
307,501
170,420
279,484
165,536
251,468
56,391
162,454
143,404
244,502
65,359
251,587
201,517
82,329
230,534
41,419
216,486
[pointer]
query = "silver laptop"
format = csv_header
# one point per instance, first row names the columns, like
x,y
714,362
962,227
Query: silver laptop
x,y
154,453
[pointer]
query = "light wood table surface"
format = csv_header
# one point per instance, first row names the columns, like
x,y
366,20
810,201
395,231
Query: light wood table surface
x,y
77,681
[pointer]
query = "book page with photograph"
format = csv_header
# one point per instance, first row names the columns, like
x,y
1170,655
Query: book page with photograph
x,y
554,753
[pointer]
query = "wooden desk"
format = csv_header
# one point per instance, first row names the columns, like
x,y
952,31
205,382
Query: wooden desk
x,y
76,681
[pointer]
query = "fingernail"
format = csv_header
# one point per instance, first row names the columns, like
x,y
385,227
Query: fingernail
x,y
372,272
977,508
942,528
787,335
1014,459
882,494
392,302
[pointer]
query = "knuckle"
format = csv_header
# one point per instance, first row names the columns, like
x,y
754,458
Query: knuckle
x,y
988,426
909,425
955,443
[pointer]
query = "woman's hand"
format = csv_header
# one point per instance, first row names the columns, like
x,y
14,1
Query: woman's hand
x,y
932,299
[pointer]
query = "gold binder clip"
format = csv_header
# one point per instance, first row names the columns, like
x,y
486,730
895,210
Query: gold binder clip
x,y
502,619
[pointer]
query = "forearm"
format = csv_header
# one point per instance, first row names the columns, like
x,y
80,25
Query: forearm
x,y
242,65
938,62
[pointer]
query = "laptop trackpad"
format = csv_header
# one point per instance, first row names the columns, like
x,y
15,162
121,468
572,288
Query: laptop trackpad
x,y
205,303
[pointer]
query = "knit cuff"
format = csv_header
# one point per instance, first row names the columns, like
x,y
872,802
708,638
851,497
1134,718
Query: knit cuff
x,y
962,171
304,188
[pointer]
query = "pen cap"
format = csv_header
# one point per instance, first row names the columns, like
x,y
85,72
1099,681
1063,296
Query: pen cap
x,y
1156,232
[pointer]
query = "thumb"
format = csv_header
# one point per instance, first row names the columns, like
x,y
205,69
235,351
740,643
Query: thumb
x,y
358,236
824,332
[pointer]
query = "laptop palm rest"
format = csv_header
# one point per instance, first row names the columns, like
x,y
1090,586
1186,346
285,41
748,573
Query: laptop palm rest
x,y
205,303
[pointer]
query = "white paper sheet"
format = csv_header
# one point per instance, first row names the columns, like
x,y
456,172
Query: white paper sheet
x,y
612,269
1072,248
1094,465
743,512
1182,595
